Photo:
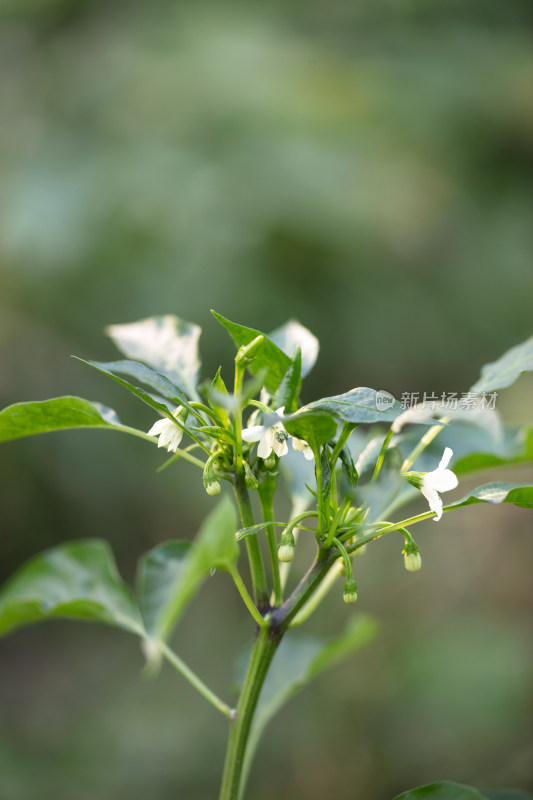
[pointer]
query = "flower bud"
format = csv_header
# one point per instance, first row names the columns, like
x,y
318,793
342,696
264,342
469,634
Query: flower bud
x,y
213,488
412,561
249,477
286,547
270,461
248,351
349,594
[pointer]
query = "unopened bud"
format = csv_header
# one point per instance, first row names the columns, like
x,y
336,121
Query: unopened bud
x,y
213,488
286,547
349,594
248,351
412,561
249,477
270,461
411,554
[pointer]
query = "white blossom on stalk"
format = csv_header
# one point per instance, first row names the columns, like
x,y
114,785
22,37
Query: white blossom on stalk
x,y
271,438
303,447
170,434
440,480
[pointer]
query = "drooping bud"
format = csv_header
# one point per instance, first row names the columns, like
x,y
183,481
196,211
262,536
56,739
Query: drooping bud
x,y
349,594
249,477
211,483
286,547
412,561
411,554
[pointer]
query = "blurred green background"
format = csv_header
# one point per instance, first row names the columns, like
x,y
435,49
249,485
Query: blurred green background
x,y
365,168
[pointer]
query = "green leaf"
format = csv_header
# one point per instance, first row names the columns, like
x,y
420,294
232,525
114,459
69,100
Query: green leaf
x,y
159,383
218,387
171,574
167,344
269,356
315,428
298,661
293,335
59,413
504,372
253,529
78,580
518,494
444,790
289,388
358,405
348,466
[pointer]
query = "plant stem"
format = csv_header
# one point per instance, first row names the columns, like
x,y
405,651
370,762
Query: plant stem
x,y
195,681
262,654
267,509
257,568
249,603
263,651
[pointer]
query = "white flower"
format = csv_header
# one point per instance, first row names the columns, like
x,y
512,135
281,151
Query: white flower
x,y
170,434
273,437
440,480
302,446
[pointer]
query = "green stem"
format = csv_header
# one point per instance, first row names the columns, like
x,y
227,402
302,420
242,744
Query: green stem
x,y
426,439
381,456
257,568
244,593
267,508
262,654
195,681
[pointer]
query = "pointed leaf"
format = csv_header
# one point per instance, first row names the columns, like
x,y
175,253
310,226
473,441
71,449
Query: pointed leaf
x,y
444,790
59,413
315,428
167,344
348,466
504,372
78,580
289,388
269,356
518,494
218,387
293,335
359,405
159,383
171,574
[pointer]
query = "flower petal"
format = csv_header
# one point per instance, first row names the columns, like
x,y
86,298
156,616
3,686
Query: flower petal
x,y
442,480
265,444
157,427
435,503
446,458
253,434
280,446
